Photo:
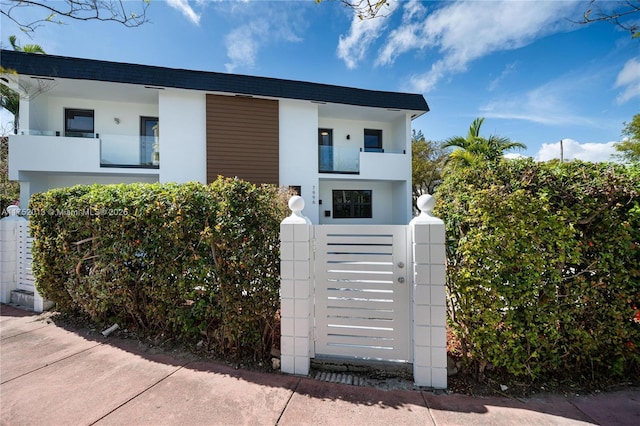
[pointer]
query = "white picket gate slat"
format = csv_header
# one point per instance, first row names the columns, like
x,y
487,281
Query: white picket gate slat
x,y
26,281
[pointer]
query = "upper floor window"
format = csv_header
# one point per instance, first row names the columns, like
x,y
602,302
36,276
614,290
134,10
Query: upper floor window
x,y
78,123
373,140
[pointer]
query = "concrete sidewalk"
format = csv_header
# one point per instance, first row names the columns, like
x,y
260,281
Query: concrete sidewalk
x,y
53,376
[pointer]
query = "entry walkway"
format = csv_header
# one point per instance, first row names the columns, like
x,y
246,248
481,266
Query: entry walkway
x,y
53,376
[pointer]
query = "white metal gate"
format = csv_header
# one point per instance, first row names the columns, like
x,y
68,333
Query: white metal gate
x,y
25,259
362,305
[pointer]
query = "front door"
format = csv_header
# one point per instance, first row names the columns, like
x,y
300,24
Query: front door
x,y
325,150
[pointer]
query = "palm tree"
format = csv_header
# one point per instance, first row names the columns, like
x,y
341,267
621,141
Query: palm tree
x,y
10,99
28,48
474,150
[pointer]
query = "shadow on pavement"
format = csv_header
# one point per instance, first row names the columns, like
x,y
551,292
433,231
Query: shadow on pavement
x,y
311,400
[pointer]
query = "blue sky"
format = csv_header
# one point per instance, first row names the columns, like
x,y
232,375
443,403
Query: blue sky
x,y
533,74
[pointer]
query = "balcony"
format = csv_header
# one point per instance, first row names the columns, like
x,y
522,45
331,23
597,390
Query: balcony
x,y
46,151
129,151
336,159
381,164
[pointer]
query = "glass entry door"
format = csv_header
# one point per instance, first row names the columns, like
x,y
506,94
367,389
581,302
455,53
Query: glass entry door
x,y
325,150
147,139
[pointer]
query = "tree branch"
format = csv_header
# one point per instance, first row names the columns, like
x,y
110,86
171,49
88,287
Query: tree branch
x,y
80,10
365,9
624,9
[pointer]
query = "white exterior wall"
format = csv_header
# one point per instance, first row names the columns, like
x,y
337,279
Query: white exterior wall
x,y
401,201
183,136
394,137
382,196
33,113
385,166
36,148
387,174
182,144
60,154
401,132
52,154
47,114
25,193
346,152
393,164
55,162
299,151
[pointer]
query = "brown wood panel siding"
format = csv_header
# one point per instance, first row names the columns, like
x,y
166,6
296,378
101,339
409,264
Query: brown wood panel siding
x,y
242,139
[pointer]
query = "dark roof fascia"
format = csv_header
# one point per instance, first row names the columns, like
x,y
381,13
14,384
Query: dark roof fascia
x,y
118,72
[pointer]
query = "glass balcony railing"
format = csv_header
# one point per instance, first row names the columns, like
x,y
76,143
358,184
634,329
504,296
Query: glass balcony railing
x,y
32,132
336,159
385,150
129,151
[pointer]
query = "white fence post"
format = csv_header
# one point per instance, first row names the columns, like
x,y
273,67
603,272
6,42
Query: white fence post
x,y
295,290
25,266
9,253
429,297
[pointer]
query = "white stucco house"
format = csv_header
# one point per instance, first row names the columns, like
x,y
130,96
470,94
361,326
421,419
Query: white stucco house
x,y
82,121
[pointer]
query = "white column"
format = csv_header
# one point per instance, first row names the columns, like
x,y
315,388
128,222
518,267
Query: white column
x,y
429,297
295,291
24,113
9,253
25,193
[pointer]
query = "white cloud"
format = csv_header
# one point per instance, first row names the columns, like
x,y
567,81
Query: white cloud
x,y
263,24
353,47
513,156
406,36
463,31
574,150
427,81
508,69
185,8
553,103
243,44
629,80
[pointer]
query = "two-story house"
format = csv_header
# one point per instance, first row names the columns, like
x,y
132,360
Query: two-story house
x,y
82,121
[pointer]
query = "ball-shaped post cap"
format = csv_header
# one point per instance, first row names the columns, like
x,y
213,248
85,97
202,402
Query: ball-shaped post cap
x,y
426,203
13,210
296,204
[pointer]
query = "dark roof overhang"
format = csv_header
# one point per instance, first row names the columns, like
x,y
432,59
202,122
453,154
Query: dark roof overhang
x,y
89,69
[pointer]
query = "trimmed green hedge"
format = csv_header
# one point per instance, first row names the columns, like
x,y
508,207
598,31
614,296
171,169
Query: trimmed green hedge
x,y
544,267
190,261
5,201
